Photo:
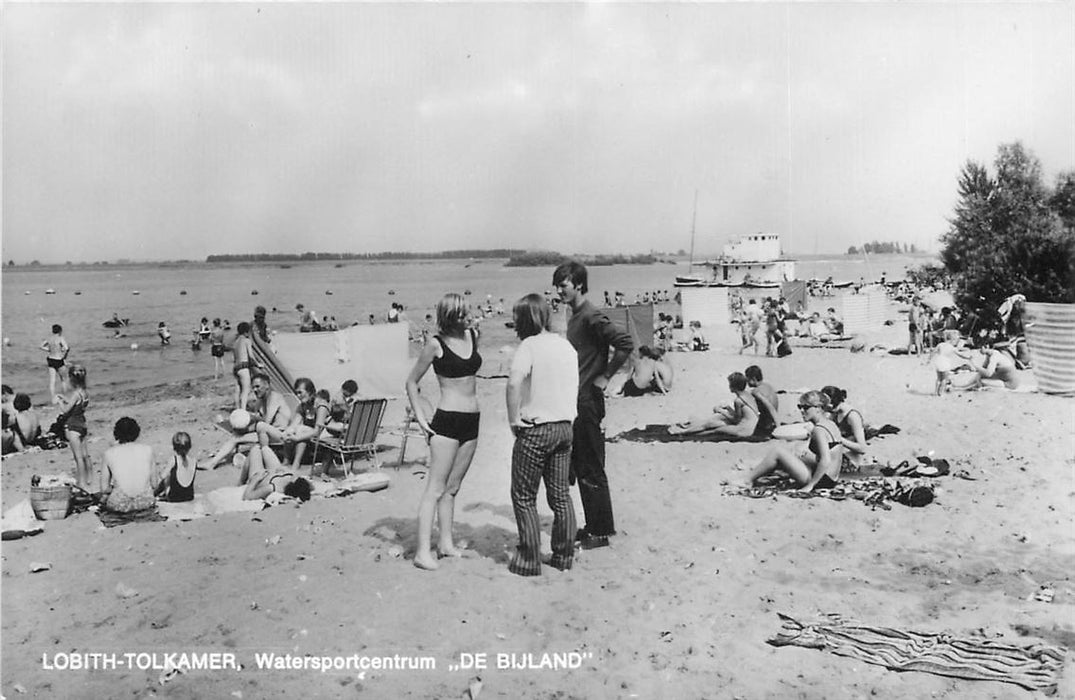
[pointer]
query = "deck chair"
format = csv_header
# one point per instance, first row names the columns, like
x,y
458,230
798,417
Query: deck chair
x,y
360,436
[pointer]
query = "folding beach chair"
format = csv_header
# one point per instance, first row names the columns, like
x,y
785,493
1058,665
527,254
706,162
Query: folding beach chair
x,y
360,436
409,429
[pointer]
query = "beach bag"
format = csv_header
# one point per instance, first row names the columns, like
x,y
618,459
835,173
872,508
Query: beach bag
x,y
783,349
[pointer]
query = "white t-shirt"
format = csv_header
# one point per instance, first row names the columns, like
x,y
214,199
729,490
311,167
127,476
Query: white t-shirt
x,y
548,368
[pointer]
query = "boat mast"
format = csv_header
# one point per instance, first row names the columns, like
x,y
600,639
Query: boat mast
x,y
694,218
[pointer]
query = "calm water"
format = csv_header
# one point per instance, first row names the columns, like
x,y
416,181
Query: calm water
x,y
357,290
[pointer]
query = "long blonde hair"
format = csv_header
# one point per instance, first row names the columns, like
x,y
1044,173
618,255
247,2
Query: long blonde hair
x,y
452,314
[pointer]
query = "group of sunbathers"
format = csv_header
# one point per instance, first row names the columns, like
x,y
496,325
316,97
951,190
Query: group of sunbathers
x,y
752,412
836,442
270,432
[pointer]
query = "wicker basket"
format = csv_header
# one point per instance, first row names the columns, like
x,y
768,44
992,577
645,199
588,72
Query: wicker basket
x,y
50,502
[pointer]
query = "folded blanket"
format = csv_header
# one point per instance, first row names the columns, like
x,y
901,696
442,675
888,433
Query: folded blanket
x,y
659,433
1035,667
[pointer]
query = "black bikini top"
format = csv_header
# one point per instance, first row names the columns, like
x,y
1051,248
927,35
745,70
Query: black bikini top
x,y
453,366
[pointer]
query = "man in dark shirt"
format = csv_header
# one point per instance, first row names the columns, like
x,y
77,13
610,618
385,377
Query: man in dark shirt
x,y
592,333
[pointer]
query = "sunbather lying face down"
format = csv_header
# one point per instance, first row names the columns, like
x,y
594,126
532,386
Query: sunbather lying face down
x,y
818,467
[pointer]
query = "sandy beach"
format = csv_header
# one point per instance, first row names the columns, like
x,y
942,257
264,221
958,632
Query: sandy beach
x,y
680,605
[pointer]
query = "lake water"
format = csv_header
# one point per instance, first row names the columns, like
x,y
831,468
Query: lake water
x,y
357,290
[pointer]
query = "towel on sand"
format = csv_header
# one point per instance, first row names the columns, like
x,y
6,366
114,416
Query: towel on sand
x,y
865,486
659,433
1035,667
113,519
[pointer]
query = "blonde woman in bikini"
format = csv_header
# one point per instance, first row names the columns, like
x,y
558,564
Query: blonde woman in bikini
x,y
819,466
453,432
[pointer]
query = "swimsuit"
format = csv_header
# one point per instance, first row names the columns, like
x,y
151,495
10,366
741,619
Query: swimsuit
x,y
456,425
632,389
453,366
281,475
176,491
54,362
239,366
217,350
76,418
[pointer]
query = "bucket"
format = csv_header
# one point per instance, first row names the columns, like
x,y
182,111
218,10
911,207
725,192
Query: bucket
x,y
50,502
1050,336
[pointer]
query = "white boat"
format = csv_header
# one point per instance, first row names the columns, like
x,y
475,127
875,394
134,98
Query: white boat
x,y
50,290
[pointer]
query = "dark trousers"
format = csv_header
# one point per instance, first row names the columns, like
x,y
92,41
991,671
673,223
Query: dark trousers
x,y
588,462
542,452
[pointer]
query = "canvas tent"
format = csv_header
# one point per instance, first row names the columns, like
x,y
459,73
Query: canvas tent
x,y
376,357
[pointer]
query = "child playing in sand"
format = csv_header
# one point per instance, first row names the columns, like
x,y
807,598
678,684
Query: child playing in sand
x,y
178,486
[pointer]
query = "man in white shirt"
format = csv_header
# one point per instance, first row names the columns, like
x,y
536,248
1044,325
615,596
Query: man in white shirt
x,y
541,396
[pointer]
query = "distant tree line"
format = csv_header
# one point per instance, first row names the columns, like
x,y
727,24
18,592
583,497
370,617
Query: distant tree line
x,y
878,247
547,258
389,255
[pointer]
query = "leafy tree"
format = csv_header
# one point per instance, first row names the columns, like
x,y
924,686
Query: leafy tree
x,y
1005,237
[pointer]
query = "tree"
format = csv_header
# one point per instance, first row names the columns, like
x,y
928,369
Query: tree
x,y
1005,238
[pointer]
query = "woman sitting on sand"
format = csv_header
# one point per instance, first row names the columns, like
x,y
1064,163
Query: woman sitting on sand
x,y
738,420
849,420
268,476
819,467
307,422
645,377
129,478
997,365
25,427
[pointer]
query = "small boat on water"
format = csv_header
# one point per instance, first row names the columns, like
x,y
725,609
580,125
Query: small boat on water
x,y
50,290
338,265
285,267
182,292
116,322
136,292
328,292
253,292
391,292
78,292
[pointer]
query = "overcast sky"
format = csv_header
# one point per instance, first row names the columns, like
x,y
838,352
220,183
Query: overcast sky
x,y
162,131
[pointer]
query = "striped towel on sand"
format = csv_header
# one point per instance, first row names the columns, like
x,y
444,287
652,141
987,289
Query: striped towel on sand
x,y
1035,667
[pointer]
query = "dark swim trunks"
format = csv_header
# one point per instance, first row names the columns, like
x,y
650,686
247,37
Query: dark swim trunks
x,y
456,425
54,362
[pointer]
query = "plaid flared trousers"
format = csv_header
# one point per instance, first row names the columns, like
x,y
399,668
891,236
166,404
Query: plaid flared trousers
x,y
542,452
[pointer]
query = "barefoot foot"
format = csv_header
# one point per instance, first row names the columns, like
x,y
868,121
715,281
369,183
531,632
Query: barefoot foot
x,y
426,561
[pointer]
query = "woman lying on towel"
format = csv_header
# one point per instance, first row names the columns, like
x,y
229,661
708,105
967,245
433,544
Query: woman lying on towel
x,y
849,420
268,476
738,420
129,478
307,422
820,466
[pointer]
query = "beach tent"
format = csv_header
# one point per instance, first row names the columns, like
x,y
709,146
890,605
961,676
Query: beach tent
x,y
637,320
706,305
795,292
377,357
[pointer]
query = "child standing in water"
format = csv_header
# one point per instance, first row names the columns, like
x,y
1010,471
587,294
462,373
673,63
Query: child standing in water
x,y
57,350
